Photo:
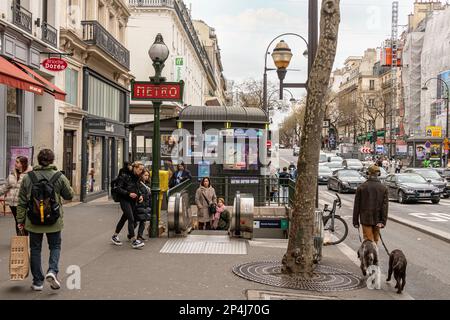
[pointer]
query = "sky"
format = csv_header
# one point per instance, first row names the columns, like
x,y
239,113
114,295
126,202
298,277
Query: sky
x,y
246,27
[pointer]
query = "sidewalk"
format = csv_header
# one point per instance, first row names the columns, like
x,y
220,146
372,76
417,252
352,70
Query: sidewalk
x,y
110,272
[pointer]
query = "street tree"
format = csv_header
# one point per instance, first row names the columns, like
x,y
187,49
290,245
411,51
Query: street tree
x,y
291,127
250,94
299,258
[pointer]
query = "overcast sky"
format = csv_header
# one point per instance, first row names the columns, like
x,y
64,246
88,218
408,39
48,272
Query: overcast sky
x,y
245,29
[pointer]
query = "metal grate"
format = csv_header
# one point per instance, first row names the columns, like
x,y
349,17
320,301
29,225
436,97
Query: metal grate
x,y
325,279
205,245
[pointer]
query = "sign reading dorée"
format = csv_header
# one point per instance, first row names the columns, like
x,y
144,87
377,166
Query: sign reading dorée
x,y
54,64
167,91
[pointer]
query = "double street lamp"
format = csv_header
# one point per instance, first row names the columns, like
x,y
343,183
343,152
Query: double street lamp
x,y
291,100
447,96
159,53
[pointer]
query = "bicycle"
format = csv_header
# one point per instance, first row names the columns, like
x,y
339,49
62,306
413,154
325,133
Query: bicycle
x,y
334,223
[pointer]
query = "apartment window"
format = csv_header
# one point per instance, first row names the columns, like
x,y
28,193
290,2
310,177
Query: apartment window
x,y
104,100
72,86
371,103
372,85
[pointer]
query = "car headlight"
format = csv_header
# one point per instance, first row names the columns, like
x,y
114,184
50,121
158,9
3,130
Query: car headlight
x,y
345,183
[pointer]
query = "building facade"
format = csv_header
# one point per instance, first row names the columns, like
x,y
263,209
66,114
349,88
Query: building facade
x,y
28,95
91,128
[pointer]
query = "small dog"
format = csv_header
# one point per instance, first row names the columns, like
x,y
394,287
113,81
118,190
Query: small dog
x,y
397,265
368,254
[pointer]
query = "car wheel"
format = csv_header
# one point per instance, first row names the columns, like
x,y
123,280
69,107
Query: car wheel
x,y
436,201
401,197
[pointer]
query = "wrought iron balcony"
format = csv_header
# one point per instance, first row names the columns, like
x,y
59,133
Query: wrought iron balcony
x,y
95,34
49,34
22,17
151,3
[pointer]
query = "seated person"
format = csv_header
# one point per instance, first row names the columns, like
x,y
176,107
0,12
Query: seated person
x,y
222,217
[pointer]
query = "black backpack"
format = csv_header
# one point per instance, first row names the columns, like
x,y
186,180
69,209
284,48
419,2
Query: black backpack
x,y
43,207
114,192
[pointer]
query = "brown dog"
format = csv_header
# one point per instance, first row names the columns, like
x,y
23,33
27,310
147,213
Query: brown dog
x,y
397,265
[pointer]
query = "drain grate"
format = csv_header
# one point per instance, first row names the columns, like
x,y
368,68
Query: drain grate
x,y
325,279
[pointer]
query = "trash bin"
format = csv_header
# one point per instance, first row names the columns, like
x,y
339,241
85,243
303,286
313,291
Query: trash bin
x,y
242,217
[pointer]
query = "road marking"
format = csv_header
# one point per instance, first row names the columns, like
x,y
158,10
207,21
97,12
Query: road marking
x,y
352,255
432,217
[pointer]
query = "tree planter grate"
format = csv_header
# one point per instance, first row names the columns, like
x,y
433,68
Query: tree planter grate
x,y
325,279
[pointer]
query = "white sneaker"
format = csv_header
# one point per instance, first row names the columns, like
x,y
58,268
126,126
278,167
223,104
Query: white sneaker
x,y
137,244
36,287
54,283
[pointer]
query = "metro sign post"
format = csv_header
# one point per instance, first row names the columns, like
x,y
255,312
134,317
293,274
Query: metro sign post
x,y
166,91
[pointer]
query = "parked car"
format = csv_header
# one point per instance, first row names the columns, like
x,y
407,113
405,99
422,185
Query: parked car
x,y
353,164
406,187
324,174
435,178
334,166
296,151
345,181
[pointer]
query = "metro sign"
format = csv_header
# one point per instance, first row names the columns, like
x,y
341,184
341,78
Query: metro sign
x,y
149,91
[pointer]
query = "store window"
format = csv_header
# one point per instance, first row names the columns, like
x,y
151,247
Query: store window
x,y
72,86
13,121
95,160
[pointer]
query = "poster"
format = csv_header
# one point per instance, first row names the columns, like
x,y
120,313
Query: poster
x,y
421,152
211,146
204,169
169,146
20,151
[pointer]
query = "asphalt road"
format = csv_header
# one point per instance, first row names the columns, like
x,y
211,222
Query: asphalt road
x,y
428,275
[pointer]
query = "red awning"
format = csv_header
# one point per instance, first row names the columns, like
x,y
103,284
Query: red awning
x,y
13,77
49,87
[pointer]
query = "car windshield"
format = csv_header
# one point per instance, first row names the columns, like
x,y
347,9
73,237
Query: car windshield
x,y
334,165
354,162
324,170
429,174
412,178
336,159
323,158
349,174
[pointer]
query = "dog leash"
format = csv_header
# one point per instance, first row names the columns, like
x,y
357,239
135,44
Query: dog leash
x,y
384,245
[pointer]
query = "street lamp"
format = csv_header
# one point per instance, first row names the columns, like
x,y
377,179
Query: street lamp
x,y
281,58
158,54
425,88
291,100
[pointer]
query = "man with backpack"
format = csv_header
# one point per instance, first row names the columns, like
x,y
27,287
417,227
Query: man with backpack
x,y
40,211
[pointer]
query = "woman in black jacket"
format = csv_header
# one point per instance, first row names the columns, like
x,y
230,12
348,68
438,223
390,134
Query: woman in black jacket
x,y
143,209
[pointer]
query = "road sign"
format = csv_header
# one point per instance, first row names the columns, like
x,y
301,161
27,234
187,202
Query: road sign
x,y
326,124
167,91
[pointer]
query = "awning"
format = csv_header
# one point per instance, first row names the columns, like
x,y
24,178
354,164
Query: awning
x,y
12,76
49,87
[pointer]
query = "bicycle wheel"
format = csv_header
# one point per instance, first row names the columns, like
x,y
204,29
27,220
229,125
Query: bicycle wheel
x,y
340,229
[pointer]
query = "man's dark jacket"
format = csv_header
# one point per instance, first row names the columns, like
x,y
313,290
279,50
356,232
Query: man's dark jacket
x,y
185,175
284,179
371,203
128,183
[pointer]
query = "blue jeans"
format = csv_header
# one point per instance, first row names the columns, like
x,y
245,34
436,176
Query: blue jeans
x,y
54,244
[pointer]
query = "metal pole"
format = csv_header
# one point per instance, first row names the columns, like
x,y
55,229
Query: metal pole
x,y
156,161
266,107
446,130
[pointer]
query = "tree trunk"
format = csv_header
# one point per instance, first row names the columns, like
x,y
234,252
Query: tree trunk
x,y
299,256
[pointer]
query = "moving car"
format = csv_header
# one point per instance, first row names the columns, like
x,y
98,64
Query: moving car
x,y
323,158
345,181
324,174
411,187
353,164
435,178
335,159
296,151
334,165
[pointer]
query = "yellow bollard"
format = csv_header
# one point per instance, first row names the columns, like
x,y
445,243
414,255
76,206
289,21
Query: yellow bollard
x,y
163,186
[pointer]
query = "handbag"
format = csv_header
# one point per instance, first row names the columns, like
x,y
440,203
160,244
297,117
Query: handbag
x,y
143,214
212,209
19,260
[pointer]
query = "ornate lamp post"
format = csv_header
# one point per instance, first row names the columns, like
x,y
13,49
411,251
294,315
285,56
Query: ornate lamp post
x,y
158,53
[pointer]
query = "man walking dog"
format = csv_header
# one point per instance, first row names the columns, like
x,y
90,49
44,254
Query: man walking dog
x,y
371,206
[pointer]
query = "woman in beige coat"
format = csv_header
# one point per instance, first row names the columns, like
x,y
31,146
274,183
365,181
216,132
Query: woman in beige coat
x,y
204,196
12,186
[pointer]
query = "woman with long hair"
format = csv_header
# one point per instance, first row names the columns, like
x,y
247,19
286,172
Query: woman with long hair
x,y
12,186
204,197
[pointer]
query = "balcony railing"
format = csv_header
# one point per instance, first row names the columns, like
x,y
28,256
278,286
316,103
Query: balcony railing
x,y
49,34
151,3
95,34
22,17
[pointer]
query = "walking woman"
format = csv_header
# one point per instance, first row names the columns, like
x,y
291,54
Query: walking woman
x,y
204,197
12,186
143,209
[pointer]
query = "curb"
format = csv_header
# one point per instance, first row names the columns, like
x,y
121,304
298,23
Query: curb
x,y
441,235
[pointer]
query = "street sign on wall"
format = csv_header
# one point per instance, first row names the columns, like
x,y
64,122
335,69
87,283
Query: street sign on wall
x,y
180,65
148,91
